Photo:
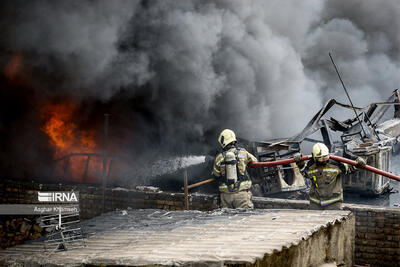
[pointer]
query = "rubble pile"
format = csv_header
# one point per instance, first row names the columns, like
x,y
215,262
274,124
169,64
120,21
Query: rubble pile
x,y
15,231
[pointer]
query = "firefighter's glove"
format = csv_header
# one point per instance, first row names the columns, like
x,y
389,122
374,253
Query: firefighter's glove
x,y
360,163
297,157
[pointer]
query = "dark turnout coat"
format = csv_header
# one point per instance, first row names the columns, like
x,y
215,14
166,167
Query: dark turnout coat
x,y
326,181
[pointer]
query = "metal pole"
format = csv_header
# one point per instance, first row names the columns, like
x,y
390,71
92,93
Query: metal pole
x,y
106,116
185,177
200,183
348,96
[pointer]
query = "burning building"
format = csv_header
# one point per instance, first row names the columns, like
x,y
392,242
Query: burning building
x,y
171,75
168,94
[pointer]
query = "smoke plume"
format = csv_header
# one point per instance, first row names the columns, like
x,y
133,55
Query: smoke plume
x,y
173,74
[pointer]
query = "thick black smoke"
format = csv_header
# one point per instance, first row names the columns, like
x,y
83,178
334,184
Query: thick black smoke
x,y
173,74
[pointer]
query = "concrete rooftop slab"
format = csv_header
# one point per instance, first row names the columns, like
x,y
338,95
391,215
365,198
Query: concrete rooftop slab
x,y
157,237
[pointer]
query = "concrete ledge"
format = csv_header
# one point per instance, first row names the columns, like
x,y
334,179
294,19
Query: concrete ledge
x,y
193,238
277,203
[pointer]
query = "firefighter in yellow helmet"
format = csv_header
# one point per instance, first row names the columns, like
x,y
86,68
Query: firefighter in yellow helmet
x,y
326,192
230,170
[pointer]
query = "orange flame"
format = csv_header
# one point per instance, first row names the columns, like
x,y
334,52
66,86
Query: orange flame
x,y
65,136
63,132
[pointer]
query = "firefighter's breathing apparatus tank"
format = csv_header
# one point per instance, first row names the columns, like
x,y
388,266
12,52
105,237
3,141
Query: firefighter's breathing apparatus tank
x,y
230,168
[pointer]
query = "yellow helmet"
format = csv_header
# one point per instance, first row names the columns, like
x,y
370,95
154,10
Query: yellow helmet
x,y
226,137
320,150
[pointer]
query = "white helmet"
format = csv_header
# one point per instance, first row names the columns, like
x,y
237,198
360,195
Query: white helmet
x,y
320,150
226,137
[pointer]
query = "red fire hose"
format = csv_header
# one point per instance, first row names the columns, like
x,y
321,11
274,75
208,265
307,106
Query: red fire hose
x,y
337,158
367,167
291,160
277,162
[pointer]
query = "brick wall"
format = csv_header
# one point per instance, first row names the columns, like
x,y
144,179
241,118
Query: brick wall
x,y
377,229
91,204
377,235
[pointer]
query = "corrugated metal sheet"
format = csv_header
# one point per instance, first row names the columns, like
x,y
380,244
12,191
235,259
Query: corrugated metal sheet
x,y
147,237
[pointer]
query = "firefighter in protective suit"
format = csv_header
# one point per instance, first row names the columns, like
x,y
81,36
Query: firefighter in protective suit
x,y
326,192
230,170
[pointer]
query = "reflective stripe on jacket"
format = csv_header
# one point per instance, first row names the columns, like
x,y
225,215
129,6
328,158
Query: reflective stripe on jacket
x,y
326,202
326,182
244,158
